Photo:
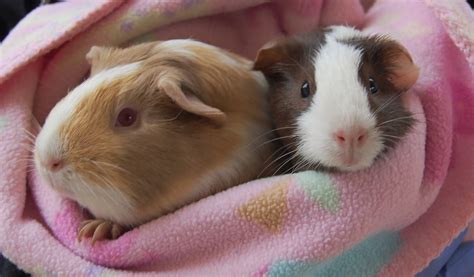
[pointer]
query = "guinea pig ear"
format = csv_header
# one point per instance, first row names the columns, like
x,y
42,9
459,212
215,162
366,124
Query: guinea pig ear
x,y
93,54
270,54
191,103
403,73
95,58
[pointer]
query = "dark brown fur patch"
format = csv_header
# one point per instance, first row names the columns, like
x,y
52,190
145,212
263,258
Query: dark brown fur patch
x,y
379,56
289,62
290,66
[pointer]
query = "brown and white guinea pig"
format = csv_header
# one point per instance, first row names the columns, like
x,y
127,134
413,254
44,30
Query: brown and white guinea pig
x,y
155,127
335,96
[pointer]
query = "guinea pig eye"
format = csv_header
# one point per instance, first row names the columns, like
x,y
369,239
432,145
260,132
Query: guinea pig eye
x,y
372,86
126,117
305,89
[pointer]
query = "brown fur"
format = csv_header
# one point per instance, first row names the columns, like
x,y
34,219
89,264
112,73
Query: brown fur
x,y
288,62
394,72
164,160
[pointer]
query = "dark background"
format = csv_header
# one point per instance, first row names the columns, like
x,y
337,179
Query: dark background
x,y
12,11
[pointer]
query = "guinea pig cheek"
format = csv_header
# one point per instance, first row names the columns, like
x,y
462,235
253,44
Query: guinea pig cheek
x,y
314,145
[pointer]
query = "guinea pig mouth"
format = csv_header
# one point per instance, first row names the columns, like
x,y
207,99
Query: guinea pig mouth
x,y
326,155
355,165
58,181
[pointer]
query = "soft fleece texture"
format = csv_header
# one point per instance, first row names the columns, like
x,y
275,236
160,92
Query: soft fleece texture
x,y
390,220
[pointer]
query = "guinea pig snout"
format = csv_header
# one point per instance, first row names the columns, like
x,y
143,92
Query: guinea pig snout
x,y
49,156
52,163
350,140
356,136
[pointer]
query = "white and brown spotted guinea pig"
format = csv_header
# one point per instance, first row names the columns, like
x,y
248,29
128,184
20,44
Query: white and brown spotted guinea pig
x,y
155,127
335,96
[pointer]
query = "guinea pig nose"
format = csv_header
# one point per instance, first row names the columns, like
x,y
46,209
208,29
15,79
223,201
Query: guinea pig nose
x,y
55,164
340,136
361,135
352,137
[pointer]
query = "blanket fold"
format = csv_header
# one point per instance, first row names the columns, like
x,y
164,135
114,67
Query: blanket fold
x,y
389,220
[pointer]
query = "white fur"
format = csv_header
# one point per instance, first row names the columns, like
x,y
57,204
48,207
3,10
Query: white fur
x,y
180,46
344,32
340,102
183,43
49,145
104,202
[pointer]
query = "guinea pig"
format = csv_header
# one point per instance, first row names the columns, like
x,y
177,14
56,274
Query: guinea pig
x,y
335,96
156,126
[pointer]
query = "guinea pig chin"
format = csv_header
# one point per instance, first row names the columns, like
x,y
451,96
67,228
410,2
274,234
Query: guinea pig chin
x,y
345,147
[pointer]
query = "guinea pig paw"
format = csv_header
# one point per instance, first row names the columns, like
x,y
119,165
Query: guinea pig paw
x,y
99,229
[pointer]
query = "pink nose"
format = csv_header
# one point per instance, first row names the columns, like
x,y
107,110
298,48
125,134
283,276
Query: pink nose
x,y
354,137
55,165
349,140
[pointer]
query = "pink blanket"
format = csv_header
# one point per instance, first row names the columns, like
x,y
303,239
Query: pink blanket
x,y
390,220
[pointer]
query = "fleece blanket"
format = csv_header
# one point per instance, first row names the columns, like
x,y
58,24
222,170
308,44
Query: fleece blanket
x,y
389,220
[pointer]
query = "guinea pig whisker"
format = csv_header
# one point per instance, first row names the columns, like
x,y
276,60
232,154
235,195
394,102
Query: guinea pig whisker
x,y
112,166
269,164
386,103
272,140
30,139
390,136
36,123
391,140
294,156
171,119
395,129
427,120
300,165
274,161
304,69
98,163
283,128
387,144
318,165
26,159
283,147
108,182
393,120
85,185
295,166
29,133
27,146
292,168
103,191
282,165
267,133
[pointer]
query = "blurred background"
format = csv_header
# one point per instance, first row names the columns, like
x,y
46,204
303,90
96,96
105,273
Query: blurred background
x,y
12,11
